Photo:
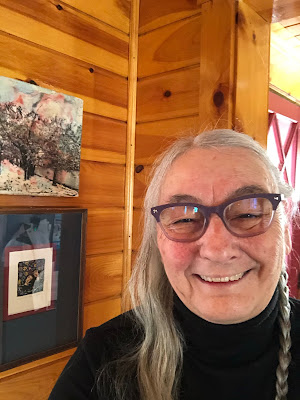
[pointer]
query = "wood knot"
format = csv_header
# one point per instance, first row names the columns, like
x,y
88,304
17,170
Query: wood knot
x,y
254,36
91,70
59,7
139,168
32,82
218,98
167,93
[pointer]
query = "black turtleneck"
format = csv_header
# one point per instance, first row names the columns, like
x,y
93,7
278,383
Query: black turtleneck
x,y
220,362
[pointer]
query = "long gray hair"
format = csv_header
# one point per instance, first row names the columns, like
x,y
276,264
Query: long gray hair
x,y
159,357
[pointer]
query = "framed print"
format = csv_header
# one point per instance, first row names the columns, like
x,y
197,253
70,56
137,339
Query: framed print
x,y
42,255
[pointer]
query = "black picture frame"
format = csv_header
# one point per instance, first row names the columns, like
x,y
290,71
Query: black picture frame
x,y
42,261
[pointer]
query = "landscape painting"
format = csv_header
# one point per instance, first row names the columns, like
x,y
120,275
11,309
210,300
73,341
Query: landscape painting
x,y
40,140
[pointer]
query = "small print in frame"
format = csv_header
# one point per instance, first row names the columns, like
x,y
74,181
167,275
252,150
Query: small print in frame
x,y
28,280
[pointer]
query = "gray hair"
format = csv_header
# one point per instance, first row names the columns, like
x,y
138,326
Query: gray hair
x,y
159,357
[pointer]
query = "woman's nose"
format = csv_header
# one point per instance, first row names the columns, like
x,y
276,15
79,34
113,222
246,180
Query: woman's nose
x,y
218,244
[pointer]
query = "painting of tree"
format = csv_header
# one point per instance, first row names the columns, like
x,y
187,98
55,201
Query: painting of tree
x,y
40,140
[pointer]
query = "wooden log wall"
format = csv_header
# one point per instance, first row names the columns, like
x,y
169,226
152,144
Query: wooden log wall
x,y
80,48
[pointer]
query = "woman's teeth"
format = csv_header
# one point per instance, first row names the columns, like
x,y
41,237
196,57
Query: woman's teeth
x,y
224,279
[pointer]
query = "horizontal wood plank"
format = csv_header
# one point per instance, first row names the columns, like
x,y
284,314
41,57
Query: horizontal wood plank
x,y
34,384
170,95
170,47
103,277
114,13
44,35
100,185
99,312
154,137
103,93
104,231
69,20
154,14
103,139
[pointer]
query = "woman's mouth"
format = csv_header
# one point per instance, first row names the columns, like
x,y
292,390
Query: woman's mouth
x,y
223,279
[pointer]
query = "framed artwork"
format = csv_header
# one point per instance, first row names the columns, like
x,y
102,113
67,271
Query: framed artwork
x,y
42,257
40,140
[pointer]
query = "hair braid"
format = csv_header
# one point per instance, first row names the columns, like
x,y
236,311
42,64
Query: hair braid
x,y
285,338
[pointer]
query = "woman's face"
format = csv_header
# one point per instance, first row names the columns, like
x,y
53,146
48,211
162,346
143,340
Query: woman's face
x,y
210,177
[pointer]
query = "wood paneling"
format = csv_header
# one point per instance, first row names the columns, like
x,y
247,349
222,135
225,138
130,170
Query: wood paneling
x,y
104,231
34,383
44,35
112,12
103,277
103,139
170,95
251,102
137,228
69,20
153,137
154,14
171,47
217,64
103,93
141,181
99,312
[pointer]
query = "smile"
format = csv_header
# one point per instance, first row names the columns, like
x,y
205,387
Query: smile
x,y
223,279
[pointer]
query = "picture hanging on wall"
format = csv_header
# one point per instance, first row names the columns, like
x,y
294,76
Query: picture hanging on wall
x,y
42,257
40,140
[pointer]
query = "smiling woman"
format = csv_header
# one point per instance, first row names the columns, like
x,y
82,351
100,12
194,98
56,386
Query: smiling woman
x,y
211,313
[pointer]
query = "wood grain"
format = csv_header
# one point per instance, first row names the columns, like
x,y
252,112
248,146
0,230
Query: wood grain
x,y
99,312
252,61
130,145
137,228
44,35
103,277
264,8
103,93
113,12
154,14
34,384
103,139
170,95
141,181
153,137
69,20
217,64
104,231
171,47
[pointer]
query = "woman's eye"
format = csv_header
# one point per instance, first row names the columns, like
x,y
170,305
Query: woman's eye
x,y
248,216
183,220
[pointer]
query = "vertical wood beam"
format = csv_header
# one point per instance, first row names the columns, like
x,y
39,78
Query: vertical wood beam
x,y
130,147
217,62
252,73
234,68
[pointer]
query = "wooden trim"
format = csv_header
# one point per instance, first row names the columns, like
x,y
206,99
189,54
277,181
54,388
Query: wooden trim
x,y
36,364
131,123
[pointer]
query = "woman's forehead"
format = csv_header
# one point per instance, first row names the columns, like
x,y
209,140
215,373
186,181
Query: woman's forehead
x,y
215,173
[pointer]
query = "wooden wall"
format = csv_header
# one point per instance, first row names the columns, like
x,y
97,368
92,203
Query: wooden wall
x,y
201,65
80,48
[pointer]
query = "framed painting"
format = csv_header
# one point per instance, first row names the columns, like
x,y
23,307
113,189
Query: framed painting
x,y
41,275
40,140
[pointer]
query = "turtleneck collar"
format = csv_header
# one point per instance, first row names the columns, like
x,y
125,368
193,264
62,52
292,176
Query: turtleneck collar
x,y
229,345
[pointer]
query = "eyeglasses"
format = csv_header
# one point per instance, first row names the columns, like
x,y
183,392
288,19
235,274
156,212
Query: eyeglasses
x,y
244,216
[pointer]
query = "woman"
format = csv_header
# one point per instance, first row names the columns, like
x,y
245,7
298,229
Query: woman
x,y
211,315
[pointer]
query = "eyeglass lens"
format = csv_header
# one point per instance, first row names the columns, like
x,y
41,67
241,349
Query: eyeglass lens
x,y
247,217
